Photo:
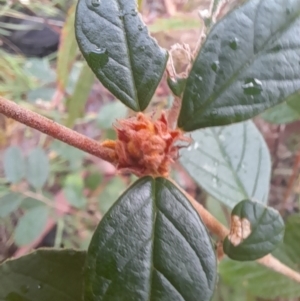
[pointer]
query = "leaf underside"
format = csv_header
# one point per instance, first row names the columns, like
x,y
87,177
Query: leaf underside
x,y
151,245
249,63
117,46
231,163
267,231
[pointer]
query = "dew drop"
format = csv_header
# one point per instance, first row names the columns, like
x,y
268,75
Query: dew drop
x,y
196,145
95,3
215,66
252,86
122,14
215,181
233,44
99,58
140,27
222,137
40,286
133,12
142,48
199,77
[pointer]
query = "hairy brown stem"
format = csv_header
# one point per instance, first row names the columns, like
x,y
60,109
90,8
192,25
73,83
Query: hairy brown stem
x,y
221,231
55,130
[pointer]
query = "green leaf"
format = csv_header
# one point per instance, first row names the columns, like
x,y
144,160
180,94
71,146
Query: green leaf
x,y
151,245
73,155
68,50
110,193
177,86
37,168
76,103
44,275
73,190
216,209
256,230
249,63
231,163
40,70
117,46
9,202
31,225
14,167
109,113
261,281
286,112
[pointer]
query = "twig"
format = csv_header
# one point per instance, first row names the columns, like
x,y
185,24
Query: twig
x,y
174,112
55,130
221,231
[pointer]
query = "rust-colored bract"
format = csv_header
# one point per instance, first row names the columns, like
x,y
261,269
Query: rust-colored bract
x,y
144,146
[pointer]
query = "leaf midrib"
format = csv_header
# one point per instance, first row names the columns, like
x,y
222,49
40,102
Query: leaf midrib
x,y
232,79
237,179
153,238
129,57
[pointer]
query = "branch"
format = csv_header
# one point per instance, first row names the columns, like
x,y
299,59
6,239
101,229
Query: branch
x,y
55,130
221,231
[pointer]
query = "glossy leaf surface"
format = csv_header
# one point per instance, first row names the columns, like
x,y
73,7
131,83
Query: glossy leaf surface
x,y
249,63
151,245
231,163
44,275
116,44
261,281
256,230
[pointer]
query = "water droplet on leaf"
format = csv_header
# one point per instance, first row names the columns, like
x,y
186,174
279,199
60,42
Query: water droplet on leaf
x,y
252,86
199,77
99,58
133,12
233,44
215,181
222,137
140,27
122,14
95,3
215,66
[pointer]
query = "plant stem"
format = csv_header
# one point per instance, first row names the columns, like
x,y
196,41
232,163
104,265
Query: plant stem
x,y
221,231
174,112
55,130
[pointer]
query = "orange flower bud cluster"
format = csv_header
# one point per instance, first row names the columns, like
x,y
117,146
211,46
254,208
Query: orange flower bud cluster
x,y
145,147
